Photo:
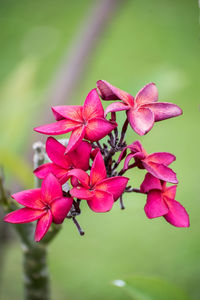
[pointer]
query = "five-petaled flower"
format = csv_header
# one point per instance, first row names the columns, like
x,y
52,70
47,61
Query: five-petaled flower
x,y
61,162
99,191
45,204
85,121
161,202
155,163
143,110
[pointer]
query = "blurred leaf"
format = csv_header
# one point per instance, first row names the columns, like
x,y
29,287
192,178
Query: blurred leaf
x,y
16,166
148,288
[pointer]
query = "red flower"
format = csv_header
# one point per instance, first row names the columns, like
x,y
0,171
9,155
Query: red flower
x,y
161,202
61,162
99,191
45,204
143,110
155,163
85,121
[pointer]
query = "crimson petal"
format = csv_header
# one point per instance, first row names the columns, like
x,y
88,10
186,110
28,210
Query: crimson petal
x,y
60,208
75,139
23,215
43,225
155,206
72,112
164,110
98,128
147,94
177,215
98,170
162,172
51,189
59,127
92,107
101,202
30,198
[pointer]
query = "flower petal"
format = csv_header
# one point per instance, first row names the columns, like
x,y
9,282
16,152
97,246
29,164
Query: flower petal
x,y
80,156
150,183
42,172
141,120
81,193
155,206
81,175
43,225
177,215
163,158
147,94
98,170
60,208
72,112
113,185
30,198
59,127
110,92
164,110
23,215
51,189
98,128
56,152
127,160
75,139
162,172
116,106
137,147
101,202
92,107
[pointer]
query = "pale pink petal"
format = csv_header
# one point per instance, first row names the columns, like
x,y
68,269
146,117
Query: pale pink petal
x,y
113,185
98,128
81,175
164,110
81,155
162,172
164,158
116,106
51,189
72,112
43,225
59,127
56,152
60,209
110,92
155,206
150,183
81,193
30,198
75,139
92,107
98,170
177,215
23,215
170,192
147,94
42,172
101,202
141,120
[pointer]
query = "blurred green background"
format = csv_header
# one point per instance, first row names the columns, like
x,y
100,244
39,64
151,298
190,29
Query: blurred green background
x,y
144,41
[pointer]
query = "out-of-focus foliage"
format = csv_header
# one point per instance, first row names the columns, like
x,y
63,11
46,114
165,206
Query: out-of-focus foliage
x,y
146,41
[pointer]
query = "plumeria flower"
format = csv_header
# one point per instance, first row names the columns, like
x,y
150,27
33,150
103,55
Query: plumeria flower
x,y
45,204
99,191
155,163
61,162
143,110
161,202
85,121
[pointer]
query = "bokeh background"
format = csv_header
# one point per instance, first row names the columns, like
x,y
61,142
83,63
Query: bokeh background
x,y
139,42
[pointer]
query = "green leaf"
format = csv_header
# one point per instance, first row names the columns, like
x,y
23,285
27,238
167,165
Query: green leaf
x,y
150,288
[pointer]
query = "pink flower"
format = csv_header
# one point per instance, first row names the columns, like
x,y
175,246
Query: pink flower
x,y
143,110
161,202
99,191
155,163
85,121
45,204
61,162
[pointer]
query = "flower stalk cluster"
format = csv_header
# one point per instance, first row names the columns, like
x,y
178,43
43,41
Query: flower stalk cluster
x,y
89,167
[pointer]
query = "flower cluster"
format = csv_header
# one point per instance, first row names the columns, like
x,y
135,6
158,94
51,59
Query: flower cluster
x,y
89,167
